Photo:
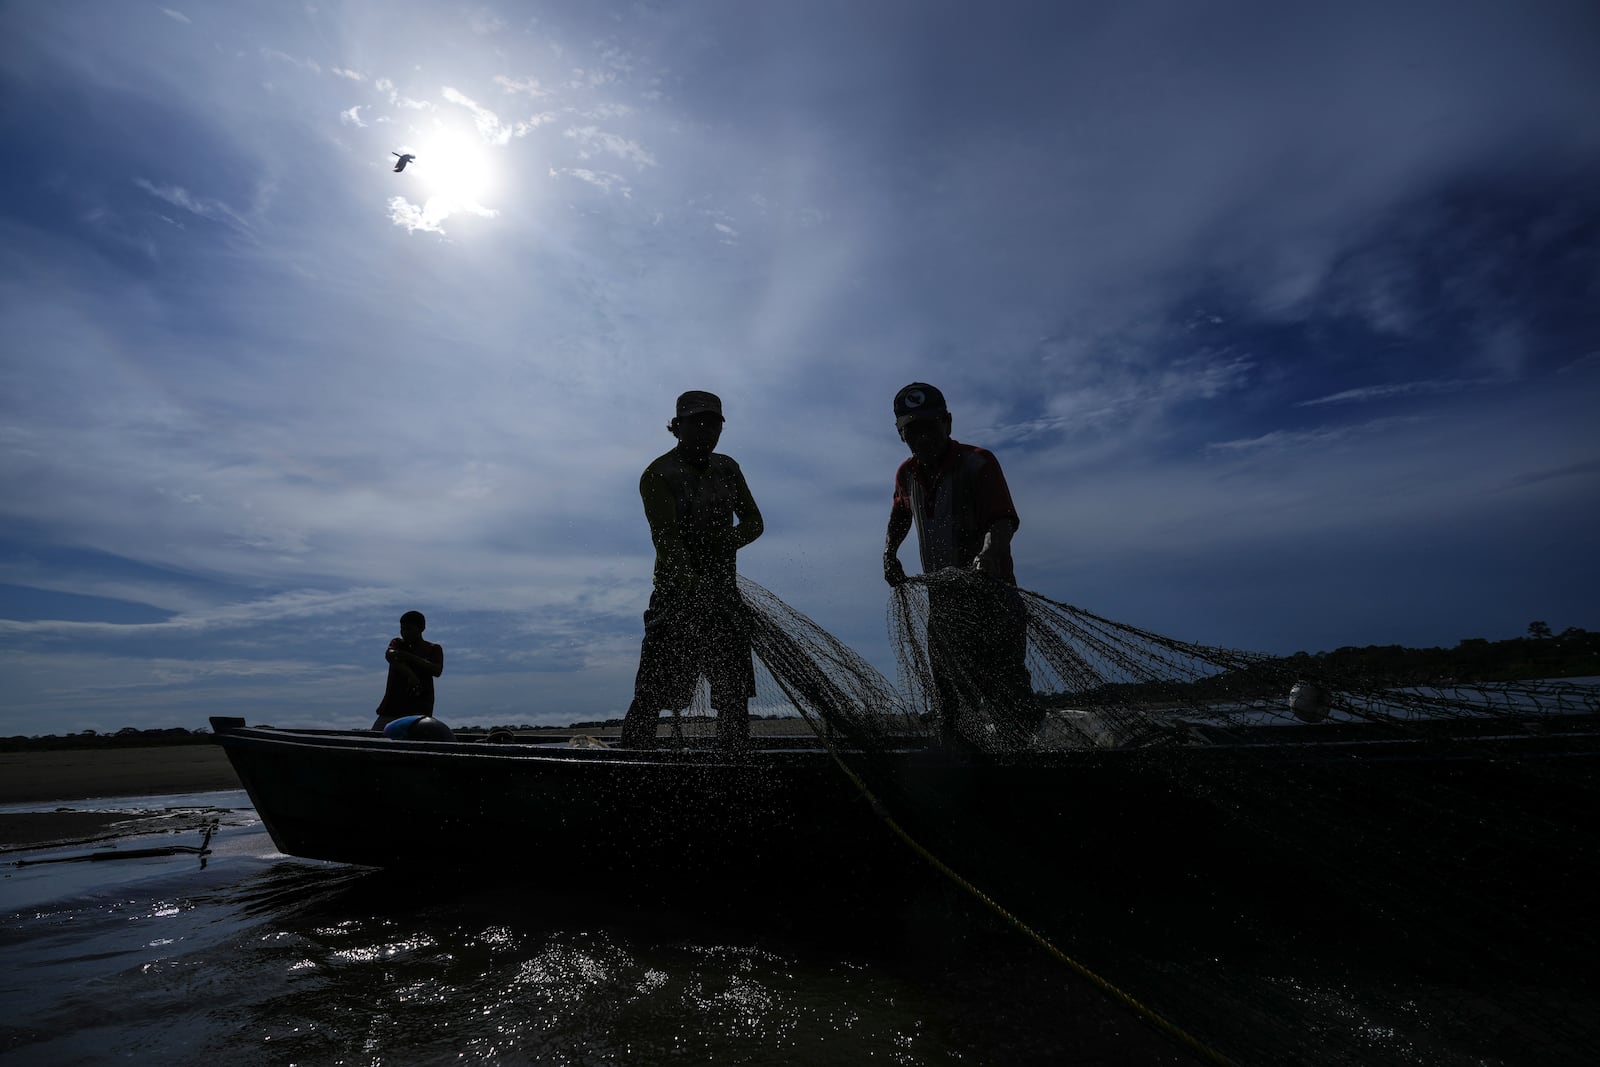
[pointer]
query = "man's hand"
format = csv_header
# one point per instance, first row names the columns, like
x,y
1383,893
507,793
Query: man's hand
x,y
893,572
995,555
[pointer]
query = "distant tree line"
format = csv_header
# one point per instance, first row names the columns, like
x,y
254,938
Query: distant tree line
x,y
127,737
1573,653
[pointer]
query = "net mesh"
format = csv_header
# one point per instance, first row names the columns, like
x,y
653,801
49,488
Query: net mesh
x,y
1295,864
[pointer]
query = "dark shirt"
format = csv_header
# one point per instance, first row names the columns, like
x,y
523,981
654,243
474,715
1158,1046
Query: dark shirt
x,y
691,510
409,690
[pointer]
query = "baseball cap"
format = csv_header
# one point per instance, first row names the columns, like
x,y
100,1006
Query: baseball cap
x,y
698,402
919,400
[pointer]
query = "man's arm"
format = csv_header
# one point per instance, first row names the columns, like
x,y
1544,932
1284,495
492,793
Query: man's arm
x,y
750,525
894,537
398,657
661,512
410,662
995,555
994,502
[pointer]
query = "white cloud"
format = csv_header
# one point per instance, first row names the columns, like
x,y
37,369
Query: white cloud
x,y
176,16
591,139
526,86
596,178
1367,393
387,87
354,76
489,125
178,196
352,117
296,606
1319,439
430,215
306,64
485,22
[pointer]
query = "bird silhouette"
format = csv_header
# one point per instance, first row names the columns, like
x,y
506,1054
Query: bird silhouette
x,y
400,166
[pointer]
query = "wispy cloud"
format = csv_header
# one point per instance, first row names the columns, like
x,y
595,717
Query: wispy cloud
x,y
352,117
591,139
176,16
1320,438
284,57
1588,469
485,22
1368,393
430,215
355,76
387,87
296,606
178,196
525,86
489,126
597,178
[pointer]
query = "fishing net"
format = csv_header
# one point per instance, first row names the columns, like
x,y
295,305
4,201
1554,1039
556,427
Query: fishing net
x,y
1291,859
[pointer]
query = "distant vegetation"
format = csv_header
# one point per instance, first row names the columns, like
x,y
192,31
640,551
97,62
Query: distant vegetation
x,y
1573,653
127,737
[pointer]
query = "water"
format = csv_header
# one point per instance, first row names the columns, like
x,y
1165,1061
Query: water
x,y
256,957
260,958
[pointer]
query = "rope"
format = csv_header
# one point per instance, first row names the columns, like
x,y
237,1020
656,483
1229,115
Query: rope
x,y
1148,1014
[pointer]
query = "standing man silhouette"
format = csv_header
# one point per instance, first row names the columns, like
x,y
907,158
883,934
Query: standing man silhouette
x,y
957,498
700,513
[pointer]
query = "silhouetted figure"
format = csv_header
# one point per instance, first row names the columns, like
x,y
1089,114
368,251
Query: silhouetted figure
x,y
413,665
695,624
400,166
957,497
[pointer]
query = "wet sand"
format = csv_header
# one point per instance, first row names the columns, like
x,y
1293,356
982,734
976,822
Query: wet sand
x,y
43,777
159,770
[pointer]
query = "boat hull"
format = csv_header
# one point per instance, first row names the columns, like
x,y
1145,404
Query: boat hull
x,y
1348,824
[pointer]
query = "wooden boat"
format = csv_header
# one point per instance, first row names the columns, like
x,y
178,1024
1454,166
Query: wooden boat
x,y
580,813
785,816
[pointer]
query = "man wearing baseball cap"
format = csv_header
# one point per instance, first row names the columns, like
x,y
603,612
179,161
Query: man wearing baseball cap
x,y
700,513
956,496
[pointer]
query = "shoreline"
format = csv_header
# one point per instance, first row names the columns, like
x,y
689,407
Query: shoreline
x,y
55,776
79,774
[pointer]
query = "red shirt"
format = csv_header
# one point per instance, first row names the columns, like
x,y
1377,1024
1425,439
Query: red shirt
x,y
954,505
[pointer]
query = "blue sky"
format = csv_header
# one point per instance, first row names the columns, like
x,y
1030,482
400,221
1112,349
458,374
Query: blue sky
x,y
1281,319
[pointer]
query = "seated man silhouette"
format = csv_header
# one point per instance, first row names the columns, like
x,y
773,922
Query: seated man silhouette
x,y
413,665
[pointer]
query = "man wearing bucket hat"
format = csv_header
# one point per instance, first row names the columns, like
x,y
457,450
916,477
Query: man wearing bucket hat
x,y
700,513
956,496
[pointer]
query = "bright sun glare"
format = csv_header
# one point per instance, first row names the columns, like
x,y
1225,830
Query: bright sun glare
x,y
456,166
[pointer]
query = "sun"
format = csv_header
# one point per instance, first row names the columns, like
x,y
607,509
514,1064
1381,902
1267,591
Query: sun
x,y
454,165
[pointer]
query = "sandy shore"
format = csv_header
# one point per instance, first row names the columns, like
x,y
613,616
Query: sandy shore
x,y
34,777
44,777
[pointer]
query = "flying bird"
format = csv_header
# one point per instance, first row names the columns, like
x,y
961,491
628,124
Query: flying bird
x,y
400,166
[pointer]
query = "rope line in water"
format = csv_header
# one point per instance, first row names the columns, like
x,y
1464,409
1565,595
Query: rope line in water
x,y
817,694
1148,1014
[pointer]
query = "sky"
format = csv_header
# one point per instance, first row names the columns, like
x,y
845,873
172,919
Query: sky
x,y
1281,319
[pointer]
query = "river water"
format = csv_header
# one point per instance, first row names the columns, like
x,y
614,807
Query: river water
x,y
247,956
259,958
